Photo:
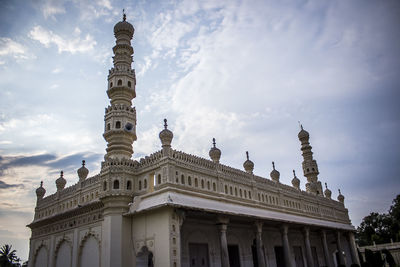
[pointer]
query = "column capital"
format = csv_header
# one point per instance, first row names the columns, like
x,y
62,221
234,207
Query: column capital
x,y
284,229
259,226
306,230
222,219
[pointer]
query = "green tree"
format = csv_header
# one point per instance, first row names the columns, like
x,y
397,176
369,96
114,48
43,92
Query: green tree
x,y
8,256
394,212
374,228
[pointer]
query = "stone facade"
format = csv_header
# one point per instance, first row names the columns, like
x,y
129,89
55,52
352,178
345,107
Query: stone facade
x,y
175,209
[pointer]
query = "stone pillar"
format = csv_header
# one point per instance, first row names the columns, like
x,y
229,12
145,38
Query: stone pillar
x,y
339,247
259,244
353,248
328,258
222,226
286,246
310,260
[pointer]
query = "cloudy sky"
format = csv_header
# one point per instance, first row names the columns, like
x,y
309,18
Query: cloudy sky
x,y
242,71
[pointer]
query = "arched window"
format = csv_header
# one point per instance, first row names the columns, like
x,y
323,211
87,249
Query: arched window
x,y
119,82
159,179
245,194
182,179
196,182
116,184
140,185
111,84
226,189
118,124
129,84
235,191
214,187
208,185
190,180
249,195
108,126
202,184
240,192
129,185
145,183
230,190
104,187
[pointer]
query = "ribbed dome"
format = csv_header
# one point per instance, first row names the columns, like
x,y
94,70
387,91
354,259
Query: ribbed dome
x,y
215,153
327,192
60,182
124,26
303,133
248,165
295,181
166,135
274,173
40,191
340,197
83,172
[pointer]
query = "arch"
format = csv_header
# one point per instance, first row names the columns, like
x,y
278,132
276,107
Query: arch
x,y
41,256
214,187
182,179
144,257
129,185
159,178
119,82
140,185
196,182
63,253
104,186
235,191
108,126
116,184
145,183
189,180
202,183
89,251
129,84
208,185
118,124
111,84
226,189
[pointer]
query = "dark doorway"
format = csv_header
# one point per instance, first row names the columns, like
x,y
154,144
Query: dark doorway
x,y
315,256
198,255
254,252
298,256
234,258
280,262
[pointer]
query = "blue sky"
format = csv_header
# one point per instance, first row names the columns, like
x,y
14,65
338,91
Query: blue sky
x,y
244,72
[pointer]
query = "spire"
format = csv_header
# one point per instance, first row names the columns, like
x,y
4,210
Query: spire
x,y
60,182
327,192
120,115
295,181
83,172
248,165
215,153
310,167
166,137
123,15
274,174
340,197
40,191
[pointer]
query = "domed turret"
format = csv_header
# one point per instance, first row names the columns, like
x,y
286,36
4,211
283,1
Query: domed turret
x,y
295,181
40,191
327,192
340,197
60,182
248,165
215,153
303,134
83,172
274,173
166,136
124,27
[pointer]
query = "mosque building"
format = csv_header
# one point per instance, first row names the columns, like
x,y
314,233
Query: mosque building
x,y
174,209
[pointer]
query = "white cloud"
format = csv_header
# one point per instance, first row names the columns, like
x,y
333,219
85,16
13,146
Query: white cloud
x,y
12,49
51,8
73,46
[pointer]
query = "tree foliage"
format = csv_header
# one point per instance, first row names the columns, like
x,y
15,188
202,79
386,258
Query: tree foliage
x,y
380,228
8,256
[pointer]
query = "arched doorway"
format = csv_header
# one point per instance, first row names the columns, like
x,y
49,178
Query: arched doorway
x,y
144,258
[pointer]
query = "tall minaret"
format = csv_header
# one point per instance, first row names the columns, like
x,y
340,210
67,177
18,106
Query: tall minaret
x,y
310,167
120,115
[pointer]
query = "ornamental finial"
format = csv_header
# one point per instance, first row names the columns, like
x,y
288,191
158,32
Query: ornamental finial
x,y
214,142
41,183
247,155
273,165
83,163
339,192
165,123
62,174
326,185
123,15
294,173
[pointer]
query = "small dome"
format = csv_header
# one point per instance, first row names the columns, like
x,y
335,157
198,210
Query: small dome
x,y
215,153
166,135
327,192
83,172
124,26
60,182
40,191
340,197
274,173
295,181
303,134
248,165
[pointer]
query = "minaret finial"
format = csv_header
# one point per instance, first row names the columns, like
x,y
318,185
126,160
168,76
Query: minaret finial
x,y
339,192
326,185
294,173
123,14
83,162
247,155
41,183
273,165
62,174
214,142
165,123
